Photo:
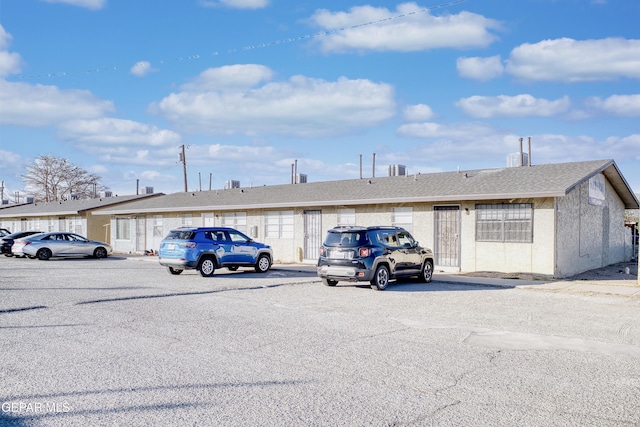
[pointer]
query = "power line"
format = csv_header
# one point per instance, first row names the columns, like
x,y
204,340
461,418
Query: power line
x,y
230,51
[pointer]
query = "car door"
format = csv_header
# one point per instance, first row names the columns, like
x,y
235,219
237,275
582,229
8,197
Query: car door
x,y
223,246
411,257
58,243
78,245
244,251
393,253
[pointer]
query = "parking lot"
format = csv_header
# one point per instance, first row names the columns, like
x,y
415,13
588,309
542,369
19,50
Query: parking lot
x,y
119,341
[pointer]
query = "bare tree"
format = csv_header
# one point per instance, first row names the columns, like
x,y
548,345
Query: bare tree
x,y
52,178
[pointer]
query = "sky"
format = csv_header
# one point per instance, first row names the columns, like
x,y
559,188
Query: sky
x,y
251,87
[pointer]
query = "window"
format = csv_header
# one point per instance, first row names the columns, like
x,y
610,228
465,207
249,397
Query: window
x,y
403,217
347,216
504,222
157,226
187,220
74,224
279,224
51,225
123,228
237,220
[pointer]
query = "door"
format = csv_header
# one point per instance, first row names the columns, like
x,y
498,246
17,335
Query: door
x,y
447,236
141,233
312,234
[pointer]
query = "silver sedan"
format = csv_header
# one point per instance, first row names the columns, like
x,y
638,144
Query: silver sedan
x,y
60,244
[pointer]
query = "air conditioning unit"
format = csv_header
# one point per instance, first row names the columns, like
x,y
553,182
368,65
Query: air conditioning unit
x,y
301,178
514,160
148,190
231,184
397,170
30,199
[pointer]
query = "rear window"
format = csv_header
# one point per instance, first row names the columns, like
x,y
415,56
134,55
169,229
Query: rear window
x,y
180,235
347,239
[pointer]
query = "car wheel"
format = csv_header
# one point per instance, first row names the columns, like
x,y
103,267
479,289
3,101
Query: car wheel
x,y
380,279
207,267
100,252
233,268
329,282
44,254
263,263
175,271
427,271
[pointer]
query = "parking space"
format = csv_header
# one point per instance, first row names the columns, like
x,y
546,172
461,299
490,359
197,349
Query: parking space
x,y
120,341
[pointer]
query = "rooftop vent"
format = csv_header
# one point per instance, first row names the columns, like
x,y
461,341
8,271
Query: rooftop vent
x,y
30,199
147,190
397,170
5,201
301,178
108,193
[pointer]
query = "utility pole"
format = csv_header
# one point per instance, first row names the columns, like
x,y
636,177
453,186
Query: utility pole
x,y
183,160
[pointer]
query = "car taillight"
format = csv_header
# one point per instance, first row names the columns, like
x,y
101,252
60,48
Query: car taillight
x,y
364,252
189,245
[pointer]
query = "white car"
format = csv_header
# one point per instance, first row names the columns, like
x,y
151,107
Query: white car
x,y
59,244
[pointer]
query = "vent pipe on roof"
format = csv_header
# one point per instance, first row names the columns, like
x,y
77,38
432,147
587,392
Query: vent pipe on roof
x,y
373,165
521,154
529,159
360,166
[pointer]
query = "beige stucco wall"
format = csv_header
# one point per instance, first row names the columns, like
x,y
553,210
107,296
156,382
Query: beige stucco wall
x,y
589,236
536,257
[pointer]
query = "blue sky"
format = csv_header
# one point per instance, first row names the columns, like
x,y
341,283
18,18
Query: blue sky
x,y
251,86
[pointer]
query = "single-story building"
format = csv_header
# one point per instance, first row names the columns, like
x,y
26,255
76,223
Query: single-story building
x,y
72,215
556,219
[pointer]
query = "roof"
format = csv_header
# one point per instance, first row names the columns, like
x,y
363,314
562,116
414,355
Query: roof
x,y
551,180
69,207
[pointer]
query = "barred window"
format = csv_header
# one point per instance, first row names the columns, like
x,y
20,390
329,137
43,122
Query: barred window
x,y
504,222
279,224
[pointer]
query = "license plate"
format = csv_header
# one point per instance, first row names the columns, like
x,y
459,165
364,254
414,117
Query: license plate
x,y
341,254
171,246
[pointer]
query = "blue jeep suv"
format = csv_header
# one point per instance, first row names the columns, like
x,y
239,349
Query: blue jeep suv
x,y
208,248
372,254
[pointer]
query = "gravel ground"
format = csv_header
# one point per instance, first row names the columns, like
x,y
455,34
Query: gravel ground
x,y
121,342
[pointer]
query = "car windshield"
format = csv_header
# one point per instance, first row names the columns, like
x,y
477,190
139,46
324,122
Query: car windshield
x,y
180,235
346,238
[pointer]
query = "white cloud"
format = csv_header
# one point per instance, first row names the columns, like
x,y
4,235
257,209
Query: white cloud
x,y
417,113
618,105
10,63
409,28
460,131
115,132
512,106
482,69
229,77
39,105
568,60
236,4
300,106
88,4
141,69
